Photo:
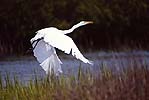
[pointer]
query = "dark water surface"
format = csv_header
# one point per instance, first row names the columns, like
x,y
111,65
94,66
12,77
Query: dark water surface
x,y
26,68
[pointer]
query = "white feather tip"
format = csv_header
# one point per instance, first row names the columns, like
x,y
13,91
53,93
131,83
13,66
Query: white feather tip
x,y
91,63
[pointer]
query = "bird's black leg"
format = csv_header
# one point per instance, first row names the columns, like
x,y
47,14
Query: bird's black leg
x,y
30,49
36,42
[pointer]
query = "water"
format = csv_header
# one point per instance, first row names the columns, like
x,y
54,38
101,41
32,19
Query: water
x,y
26,68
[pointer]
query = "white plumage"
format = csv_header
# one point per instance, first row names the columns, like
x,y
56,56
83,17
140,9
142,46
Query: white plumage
x,y
51,37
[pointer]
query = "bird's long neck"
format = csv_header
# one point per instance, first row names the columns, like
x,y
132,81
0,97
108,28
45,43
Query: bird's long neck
x,y
72,29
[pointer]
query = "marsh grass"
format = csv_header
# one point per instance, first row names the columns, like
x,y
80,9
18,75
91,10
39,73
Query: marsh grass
x,y
131,84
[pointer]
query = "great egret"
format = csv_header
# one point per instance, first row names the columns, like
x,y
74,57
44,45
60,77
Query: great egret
x,y
45,42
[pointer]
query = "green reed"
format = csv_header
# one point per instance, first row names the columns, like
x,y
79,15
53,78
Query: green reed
x,y
131,84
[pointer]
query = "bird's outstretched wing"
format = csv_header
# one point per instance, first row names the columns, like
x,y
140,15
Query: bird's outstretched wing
x,y
47,57
65,44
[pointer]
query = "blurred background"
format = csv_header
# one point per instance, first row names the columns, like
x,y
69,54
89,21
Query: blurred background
x,y
118,24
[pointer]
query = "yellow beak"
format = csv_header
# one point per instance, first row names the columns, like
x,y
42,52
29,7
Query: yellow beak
x,y
89,22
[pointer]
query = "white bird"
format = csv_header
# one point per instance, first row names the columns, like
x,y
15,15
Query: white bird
x,y
45,42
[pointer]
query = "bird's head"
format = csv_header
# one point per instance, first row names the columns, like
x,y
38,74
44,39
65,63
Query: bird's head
x,y
85,22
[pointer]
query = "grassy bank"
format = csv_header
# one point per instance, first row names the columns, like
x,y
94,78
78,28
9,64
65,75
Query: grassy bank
x,y
131,84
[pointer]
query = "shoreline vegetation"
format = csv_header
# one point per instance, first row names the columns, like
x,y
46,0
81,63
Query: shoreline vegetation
x,y
132,83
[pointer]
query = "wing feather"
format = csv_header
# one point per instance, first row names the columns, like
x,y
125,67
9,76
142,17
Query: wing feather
x,y
47,57
66,44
